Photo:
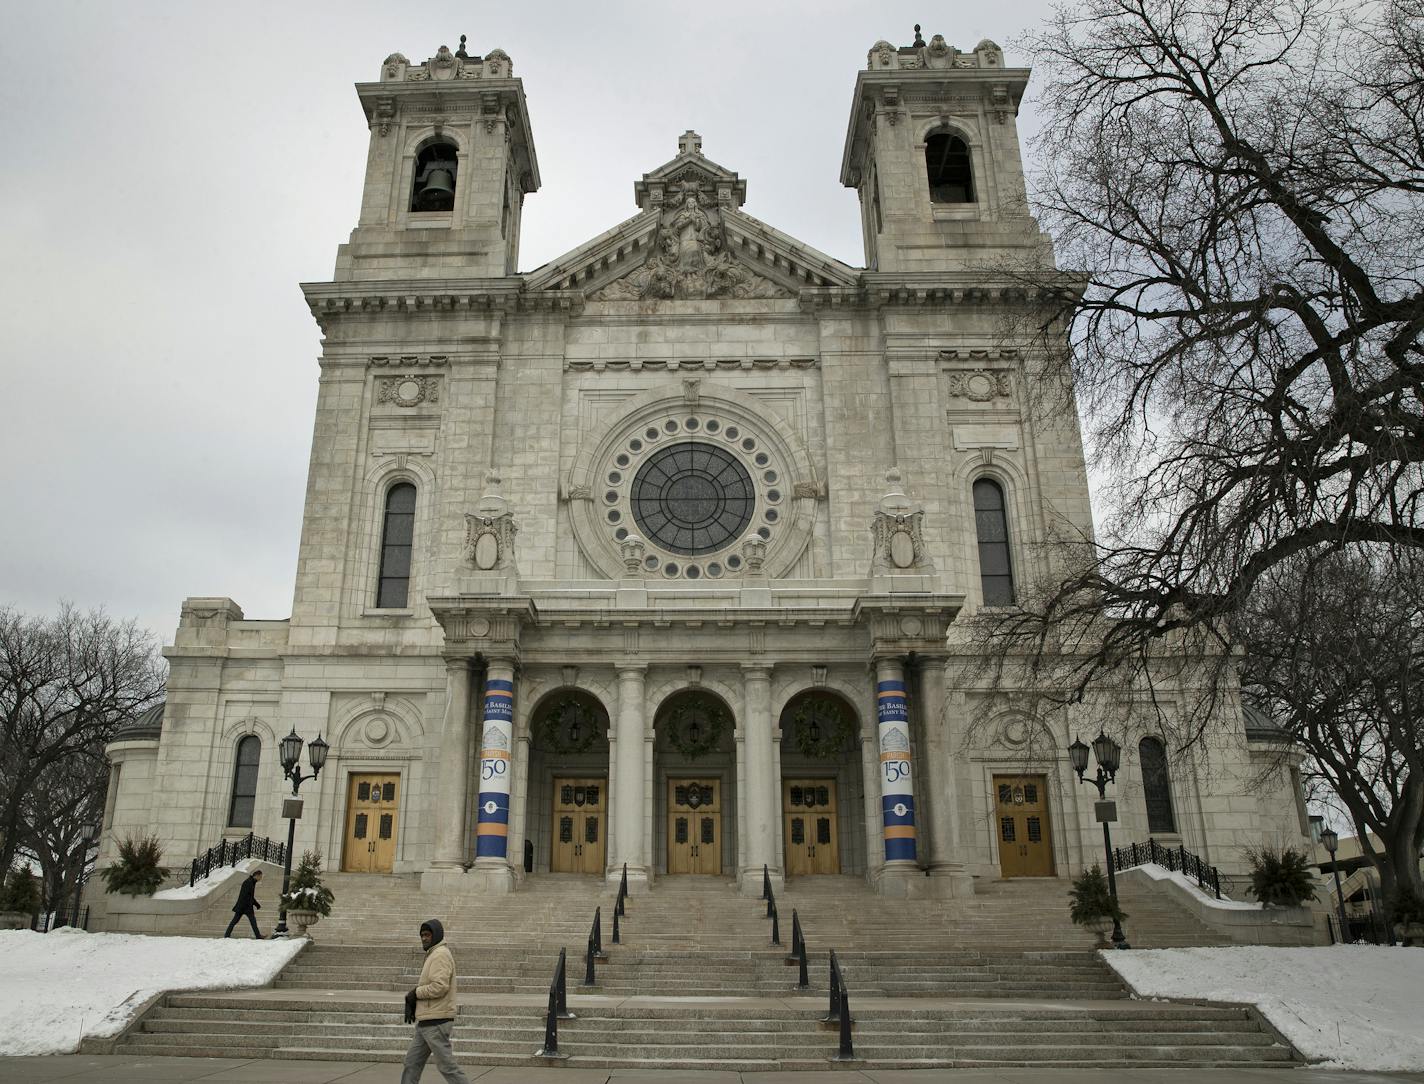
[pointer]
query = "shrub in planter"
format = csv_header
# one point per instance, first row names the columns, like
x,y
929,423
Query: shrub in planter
x,y
139,870
1092,900
1280,877
306,892
20,893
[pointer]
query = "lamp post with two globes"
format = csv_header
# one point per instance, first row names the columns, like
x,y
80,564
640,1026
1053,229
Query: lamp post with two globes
x,y
1108,754
290,752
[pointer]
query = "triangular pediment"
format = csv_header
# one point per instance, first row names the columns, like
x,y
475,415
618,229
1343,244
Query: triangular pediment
x,y
692,241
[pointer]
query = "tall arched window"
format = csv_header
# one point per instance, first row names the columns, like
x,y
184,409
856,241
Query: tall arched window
x,y
397,532
951,174
996,575
244,782
1156,785
433,183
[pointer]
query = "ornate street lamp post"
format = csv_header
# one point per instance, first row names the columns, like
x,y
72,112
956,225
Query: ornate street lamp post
x,y
1108,754
290,751
1331,839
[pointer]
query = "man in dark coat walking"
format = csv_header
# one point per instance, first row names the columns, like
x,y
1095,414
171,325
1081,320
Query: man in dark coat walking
x,y
247,904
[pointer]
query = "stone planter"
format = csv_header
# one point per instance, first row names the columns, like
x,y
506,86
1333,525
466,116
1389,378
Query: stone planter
x,y
301,920
1101,926
14,920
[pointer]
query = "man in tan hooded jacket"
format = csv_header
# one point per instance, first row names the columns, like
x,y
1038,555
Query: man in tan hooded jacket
x,y
432,1005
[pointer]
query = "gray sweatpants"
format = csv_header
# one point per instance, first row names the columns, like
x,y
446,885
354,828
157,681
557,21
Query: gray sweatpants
x,y
434,1039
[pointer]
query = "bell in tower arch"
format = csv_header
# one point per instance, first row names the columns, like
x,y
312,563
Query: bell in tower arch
x,y
433,188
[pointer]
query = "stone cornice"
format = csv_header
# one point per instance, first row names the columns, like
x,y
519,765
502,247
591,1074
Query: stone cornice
x,y
332,300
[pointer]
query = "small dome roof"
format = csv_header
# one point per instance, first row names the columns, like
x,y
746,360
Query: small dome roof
x,y
146,726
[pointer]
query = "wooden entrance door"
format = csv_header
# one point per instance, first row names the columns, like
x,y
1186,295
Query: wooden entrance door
x,y
694,826
371,803
1021,816
579,842
809,814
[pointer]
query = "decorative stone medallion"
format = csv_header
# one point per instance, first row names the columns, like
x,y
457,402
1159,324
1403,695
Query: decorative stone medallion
x,y
408,391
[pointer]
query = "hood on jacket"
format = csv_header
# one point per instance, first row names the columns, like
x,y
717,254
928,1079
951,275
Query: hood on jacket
x,y
437,931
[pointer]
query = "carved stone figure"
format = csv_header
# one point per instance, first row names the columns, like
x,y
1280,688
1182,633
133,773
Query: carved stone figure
x,y
490,530
690,260
896,530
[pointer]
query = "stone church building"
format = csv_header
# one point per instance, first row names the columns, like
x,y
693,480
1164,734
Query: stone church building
x,y
657,555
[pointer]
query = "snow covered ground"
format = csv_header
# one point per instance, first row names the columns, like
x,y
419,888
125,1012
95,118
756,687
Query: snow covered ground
x,y
68,985
1355,1006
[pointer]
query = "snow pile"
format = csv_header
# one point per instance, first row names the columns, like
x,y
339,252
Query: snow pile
x,y
1162,873
212,882
1353,1006
68,985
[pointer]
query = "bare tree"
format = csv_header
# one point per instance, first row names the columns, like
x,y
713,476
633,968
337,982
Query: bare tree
x,y
1335,656
1237,188
60,816
66,683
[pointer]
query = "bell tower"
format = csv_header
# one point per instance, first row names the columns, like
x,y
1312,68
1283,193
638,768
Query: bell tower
x,y
933,151
451,159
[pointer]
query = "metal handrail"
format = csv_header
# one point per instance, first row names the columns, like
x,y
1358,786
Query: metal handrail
x,y
1174,858
840,1011
797,954
231,851
558,1010
595,949
770,897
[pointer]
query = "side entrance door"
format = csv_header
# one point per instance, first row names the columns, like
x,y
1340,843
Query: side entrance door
x,y
809,812
694,826
578,826
1021,808
371,804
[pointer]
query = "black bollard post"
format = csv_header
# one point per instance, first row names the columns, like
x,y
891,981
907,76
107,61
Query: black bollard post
x,y
775,927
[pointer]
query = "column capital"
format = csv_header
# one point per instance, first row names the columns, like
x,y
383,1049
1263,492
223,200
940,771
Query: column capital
x,y
757,669
630,669
455,663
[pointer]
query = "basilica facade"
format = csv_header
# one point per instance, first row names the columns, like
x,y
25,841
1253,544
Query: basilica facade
x,y
656,557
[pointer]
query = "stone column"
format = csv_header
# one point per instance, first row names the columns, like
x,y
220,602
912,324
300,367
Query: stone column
x,y
947,876
628,819
496,764
761,784
452,756
897,791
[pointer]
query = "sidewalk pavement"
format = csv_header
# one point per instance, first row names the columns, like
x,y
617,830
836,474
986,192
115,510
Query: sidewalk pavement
x,y
128,1069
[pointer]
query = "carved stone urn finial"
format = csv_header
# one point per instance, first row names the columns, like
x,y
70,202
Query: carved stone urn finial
x,y
631,551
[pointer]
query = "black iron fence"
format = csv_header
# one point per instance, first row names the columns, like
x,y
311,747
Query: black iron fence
x,y
1178,859
232,851
53,920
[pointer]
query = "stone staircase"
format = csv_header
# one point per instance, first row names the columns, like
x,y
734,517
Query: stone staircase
x,y
1001,979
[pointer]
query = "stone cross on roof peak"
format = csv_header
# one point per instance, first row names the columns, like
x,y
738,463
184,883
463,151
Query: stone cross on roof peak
x,y
689,143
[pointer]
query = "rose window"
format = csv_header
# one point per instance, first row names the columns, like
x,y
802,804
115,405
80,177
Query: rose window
x,y
692,498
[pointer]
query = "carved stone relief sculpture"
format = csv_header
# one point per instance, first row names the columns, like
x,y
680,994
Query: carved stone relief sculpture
x,y
490,530
690,260
897,532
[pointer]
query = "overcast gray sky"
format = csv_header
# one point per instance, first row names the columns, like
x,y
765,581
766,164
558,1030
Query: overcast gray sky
x,y
170,172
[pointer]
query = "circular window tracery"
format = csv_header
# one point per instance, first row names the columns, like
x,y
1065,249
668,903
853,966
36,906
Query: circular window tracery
x,y
692,498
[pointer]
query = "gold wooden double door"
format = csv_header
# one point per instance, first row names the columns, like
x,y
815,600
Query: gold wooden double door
x,y
694,831
580,826
809,814
1021,818
372,801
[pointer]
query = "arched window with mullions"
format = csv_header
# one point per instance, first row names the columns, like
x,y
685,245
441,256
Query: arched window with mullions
x,y
397,536
991,525
244,782
1156,785
949,168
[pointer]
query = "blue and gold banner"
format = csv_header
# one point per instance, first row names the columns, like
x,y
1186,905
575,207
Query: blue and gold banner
x,y
897,794
492,827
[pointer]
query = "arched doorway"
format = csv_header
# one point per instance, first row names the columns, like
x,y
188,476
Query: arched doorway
x,y
695,800
822,786
568,783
